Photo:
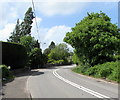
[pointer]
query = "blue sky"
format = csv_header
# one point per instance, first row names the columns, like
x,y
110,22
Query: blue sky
x,y
54,18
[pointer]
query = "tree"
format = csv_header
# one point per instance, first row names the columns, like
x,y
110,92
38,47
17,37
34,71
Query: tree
x,y
22,29
95,39
29,42
52,45
25,27
36,60
60,52
15,36
46,51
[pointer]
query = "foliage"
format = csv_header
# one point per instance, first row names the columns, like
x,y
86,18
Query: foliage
x,y
60,52
25,27
29,43
95,39
56,62
44,59
36,60
75,58
22,29
6,73
46,51
15,35
108,70
14,55
52,45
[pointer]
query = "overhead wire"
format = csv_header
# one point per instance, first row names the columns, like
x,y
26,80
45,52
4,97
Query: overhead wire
x,y
33,5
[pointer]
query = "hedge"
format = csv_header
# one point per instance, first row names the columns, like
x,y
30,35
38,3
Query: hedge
x,y
14,55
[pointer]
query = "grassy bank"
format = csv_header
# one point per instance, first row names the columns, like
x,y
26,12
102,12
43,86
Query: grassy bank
x,y
108,71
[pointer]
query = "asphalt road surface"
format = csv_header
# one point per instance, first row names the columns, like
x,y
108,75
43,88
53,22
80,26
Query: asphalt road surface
x,y
61,82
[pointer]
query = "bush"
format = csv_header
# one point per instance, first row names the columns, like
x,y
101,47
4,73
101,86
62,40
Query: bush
x,y
80,69
55,62
6,73
92,71
107,70
36,59
14,55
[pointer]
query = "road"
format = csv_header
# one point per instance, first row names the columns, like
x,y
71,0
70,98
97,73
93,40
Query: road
x,y
61,82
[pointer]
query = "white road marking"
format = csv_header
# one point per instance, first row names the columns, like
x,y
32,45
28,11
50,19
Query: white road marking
x,y
98,95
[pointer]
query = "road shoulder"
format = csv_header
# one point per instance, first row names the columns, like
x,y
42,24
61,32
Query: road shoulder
x,y
17,87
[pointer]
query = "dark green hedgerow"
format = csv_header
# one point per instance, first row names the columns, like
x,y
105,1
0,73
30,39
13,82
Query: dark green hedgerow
x,y
14,55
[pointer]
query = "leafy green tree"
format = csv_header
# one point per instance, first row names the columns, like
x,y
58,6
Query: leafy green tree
x,y
25,27
46,51
29,42
60,52
15,36
95,39
36,60
22,29
75,59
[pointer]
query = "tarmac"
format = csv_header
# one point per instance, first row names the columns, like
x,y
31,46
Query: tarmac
x,y
17,88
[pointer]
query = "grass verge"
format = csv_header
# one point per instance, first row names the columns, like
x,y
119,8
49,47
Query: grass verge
x,y
109,71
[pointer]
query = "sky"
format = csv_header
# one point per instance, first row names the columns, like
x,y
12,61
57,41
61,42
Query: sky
x,y
54,18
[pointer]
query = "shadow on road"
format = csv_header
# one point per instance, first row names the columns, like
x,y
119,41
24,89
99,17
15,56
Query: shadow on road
x,y
37,73
23,74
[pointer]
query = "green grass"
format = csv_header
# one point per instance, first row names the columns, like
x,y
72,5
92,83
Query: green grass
x,y
108,70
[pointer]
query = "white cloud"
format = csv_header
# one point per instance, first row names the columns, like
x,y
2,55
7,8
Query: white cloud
x,y
56,34
5,33
11,11
59,8
46,35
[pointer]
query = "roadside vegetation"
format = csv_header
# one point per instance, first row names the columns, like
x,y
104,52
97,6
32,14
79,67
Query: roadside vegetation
x,y
108,71
96,46
58,54
6,73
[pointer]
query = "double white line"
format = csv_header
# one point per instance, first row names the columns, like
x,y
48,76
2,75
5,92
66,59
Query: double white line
x,y
98,95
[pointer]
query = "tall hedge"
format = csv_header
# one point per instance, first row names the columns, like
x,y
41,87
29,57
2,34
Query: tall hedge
x,y
14,55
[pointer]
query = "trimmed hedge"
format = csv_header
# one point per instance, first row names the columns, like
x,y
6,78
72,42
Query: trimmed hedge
x,y
14,55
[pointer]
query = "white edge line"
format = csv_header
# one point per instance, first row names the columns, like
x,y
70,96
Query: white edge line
x,y
27,85
80,87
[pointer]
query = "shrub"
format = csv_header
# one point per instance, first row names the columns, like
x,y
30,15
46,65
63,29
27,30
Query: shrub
x,y
108,70
6,73
36,59
51,60
92,71
80,69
